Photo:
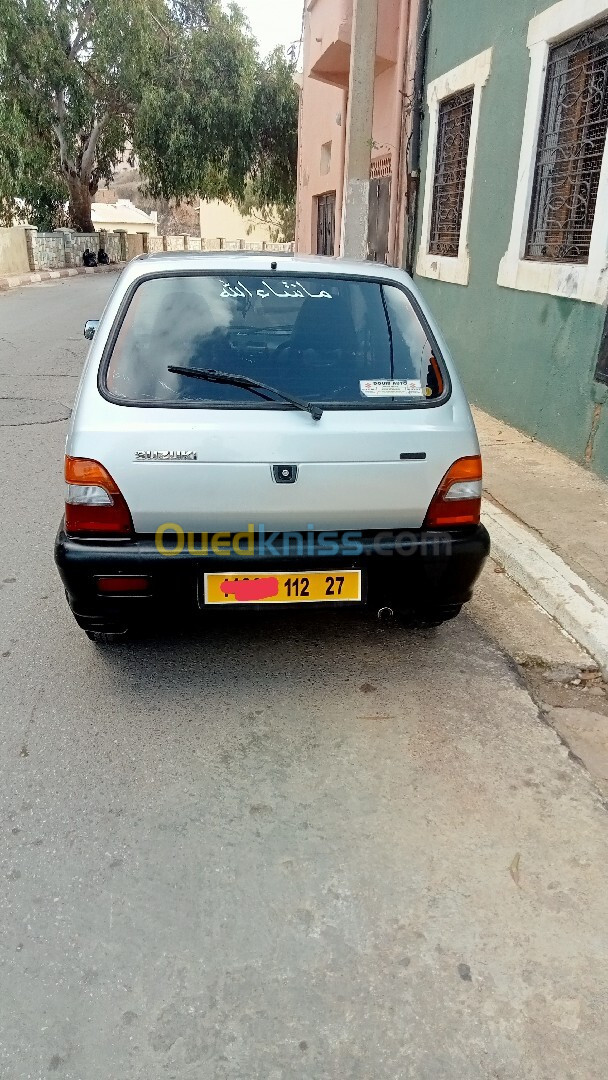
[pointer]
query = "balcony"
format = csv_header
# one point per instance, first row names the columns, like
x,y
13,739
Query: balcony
x,y
330,33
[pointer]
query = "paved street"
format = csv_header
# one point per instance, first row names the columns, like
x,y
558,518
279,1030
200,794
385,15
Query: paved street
x,y
316,848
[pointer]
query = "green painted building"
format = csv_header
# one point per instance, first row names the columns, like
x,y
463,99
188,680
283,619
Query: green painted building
x,y
512,231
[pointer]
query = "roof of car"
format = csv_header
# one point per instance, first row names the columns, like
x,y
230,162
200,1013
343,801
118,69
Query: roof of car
x,y
233,261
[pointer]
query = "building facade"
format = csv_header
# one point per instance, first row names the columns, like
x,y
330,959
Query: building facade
x,y
493,119
512,238
224,221
330,100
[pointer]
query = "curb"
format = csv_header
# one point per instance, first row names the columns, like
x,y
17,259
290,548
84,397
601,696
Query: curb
x,y
545,576
16,281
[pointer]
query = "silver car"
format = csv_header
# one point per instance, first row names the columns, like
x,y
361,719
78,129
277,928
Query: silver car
x,y
256,429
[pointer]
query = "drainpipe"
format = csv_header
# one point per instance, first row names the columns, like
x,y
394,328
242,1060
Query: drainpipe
x,y
424,15
355,208
299,187
396,183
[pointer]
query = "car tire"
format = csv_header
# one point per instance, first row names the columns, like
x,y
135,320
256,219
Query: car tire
x,y
427,618
107,637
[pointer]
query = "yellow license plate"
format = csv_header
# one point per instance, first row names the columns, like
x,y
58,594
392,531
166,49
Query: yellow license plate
x,y
315,586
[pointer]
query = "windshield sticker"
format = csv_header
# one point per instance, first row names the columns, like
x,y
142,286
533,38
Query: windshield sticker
x,y
292,290
391,388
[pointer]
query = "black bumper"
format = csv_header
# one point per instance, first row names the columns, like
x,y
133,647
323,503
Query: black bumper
x,y
408,571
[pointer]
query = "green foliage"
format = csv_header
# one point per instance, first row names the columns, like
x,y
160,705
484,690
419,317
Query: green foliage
x,y
41,200
269,195
275,151
279,217
179,81
70,74
192,130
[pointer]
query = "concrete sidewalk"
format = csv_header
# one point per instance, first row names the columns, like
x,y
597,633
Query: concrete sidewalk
x,y
16,281
548,518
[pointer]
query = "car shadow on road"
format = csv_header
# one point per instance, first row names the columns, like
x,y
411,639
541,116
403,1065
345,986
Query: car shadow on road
x,y
264,656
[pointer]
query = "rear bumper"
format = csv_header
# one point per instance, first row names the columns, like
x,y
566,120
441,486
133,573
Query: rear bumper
x,y
407,571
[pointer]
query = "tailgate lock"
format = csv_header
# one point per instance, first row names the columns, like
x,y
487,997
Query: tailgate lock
x,y
285,474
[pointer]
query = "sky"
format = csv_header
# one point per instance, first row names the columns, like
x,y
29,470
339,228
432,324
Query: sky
x,y
274,22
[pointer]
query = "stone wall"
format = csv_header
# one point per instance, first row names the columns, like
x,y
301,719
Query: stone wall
x,y
174,243
46,250
218,244
76,244
135,245
65,248
179,242
111,243
23,249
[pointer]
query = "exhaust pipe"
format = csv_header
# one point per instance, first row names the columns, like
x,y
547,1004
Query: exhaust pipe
x,y
385,614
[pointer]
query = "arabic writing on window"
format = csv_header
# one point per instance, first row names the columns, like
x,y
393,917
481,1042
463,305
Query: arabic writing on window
x,y
292,290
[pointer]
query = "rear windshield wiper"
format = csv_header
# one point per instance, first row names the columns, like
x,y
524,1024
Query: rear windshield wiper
x,y
210,375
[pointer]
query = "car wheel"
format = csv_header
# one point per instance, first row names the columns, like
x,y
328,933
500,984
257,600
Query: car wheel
x,y
427,618
106,637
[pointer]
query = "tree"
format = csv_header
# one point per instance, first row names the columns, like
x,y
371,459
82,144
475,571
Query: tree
x,y
70,77
220,123
193,128
279,218
269,195
273,170
22,154
178,81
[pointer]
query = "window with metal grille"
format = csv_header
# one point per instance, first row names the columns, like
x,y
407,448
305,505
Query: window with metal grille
x,y
571,143
453,131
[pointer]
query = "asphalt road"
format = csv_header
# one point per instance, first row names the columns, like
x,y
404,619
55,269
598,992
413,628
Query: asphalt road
x,y
305,847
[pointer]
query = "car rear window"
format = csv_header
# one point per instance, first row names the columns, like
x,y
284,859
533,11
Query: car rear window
x,y
336,341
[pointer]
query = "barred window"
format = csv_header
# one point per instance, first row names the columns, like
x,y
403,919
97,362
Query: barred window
x,y
453,132
571,143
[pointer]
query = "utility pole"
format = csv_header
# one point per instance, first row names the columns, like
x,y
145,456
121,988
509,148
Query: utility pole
x,y
355,209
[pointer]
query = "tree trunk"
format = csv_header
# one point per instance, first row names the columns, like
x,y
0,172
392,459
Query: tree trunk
x,y
79,208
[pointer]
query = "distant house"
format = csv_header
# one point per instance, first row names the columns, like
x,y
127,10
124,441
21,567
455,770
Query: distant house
x,y
224,221
123,215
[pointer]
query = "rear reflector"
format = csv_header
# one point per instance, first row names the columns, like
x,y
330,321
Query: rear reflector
x,y
457,500
123,585
94,505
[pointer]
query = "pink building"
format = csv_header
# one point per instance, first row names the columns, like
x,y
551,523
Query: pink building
x,y
335,150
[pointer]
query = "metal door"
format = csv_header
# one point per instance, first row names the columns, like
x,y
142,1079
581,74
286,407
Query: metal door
x,y
379,212
326,223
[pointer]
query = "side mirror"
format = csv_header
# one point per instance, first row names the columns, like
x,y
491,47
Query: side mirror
x,y
90,327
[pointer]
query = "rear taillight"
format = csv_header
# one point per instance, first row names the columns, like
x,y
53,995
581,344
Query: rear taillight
x,y
457,500
94,505
127,586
